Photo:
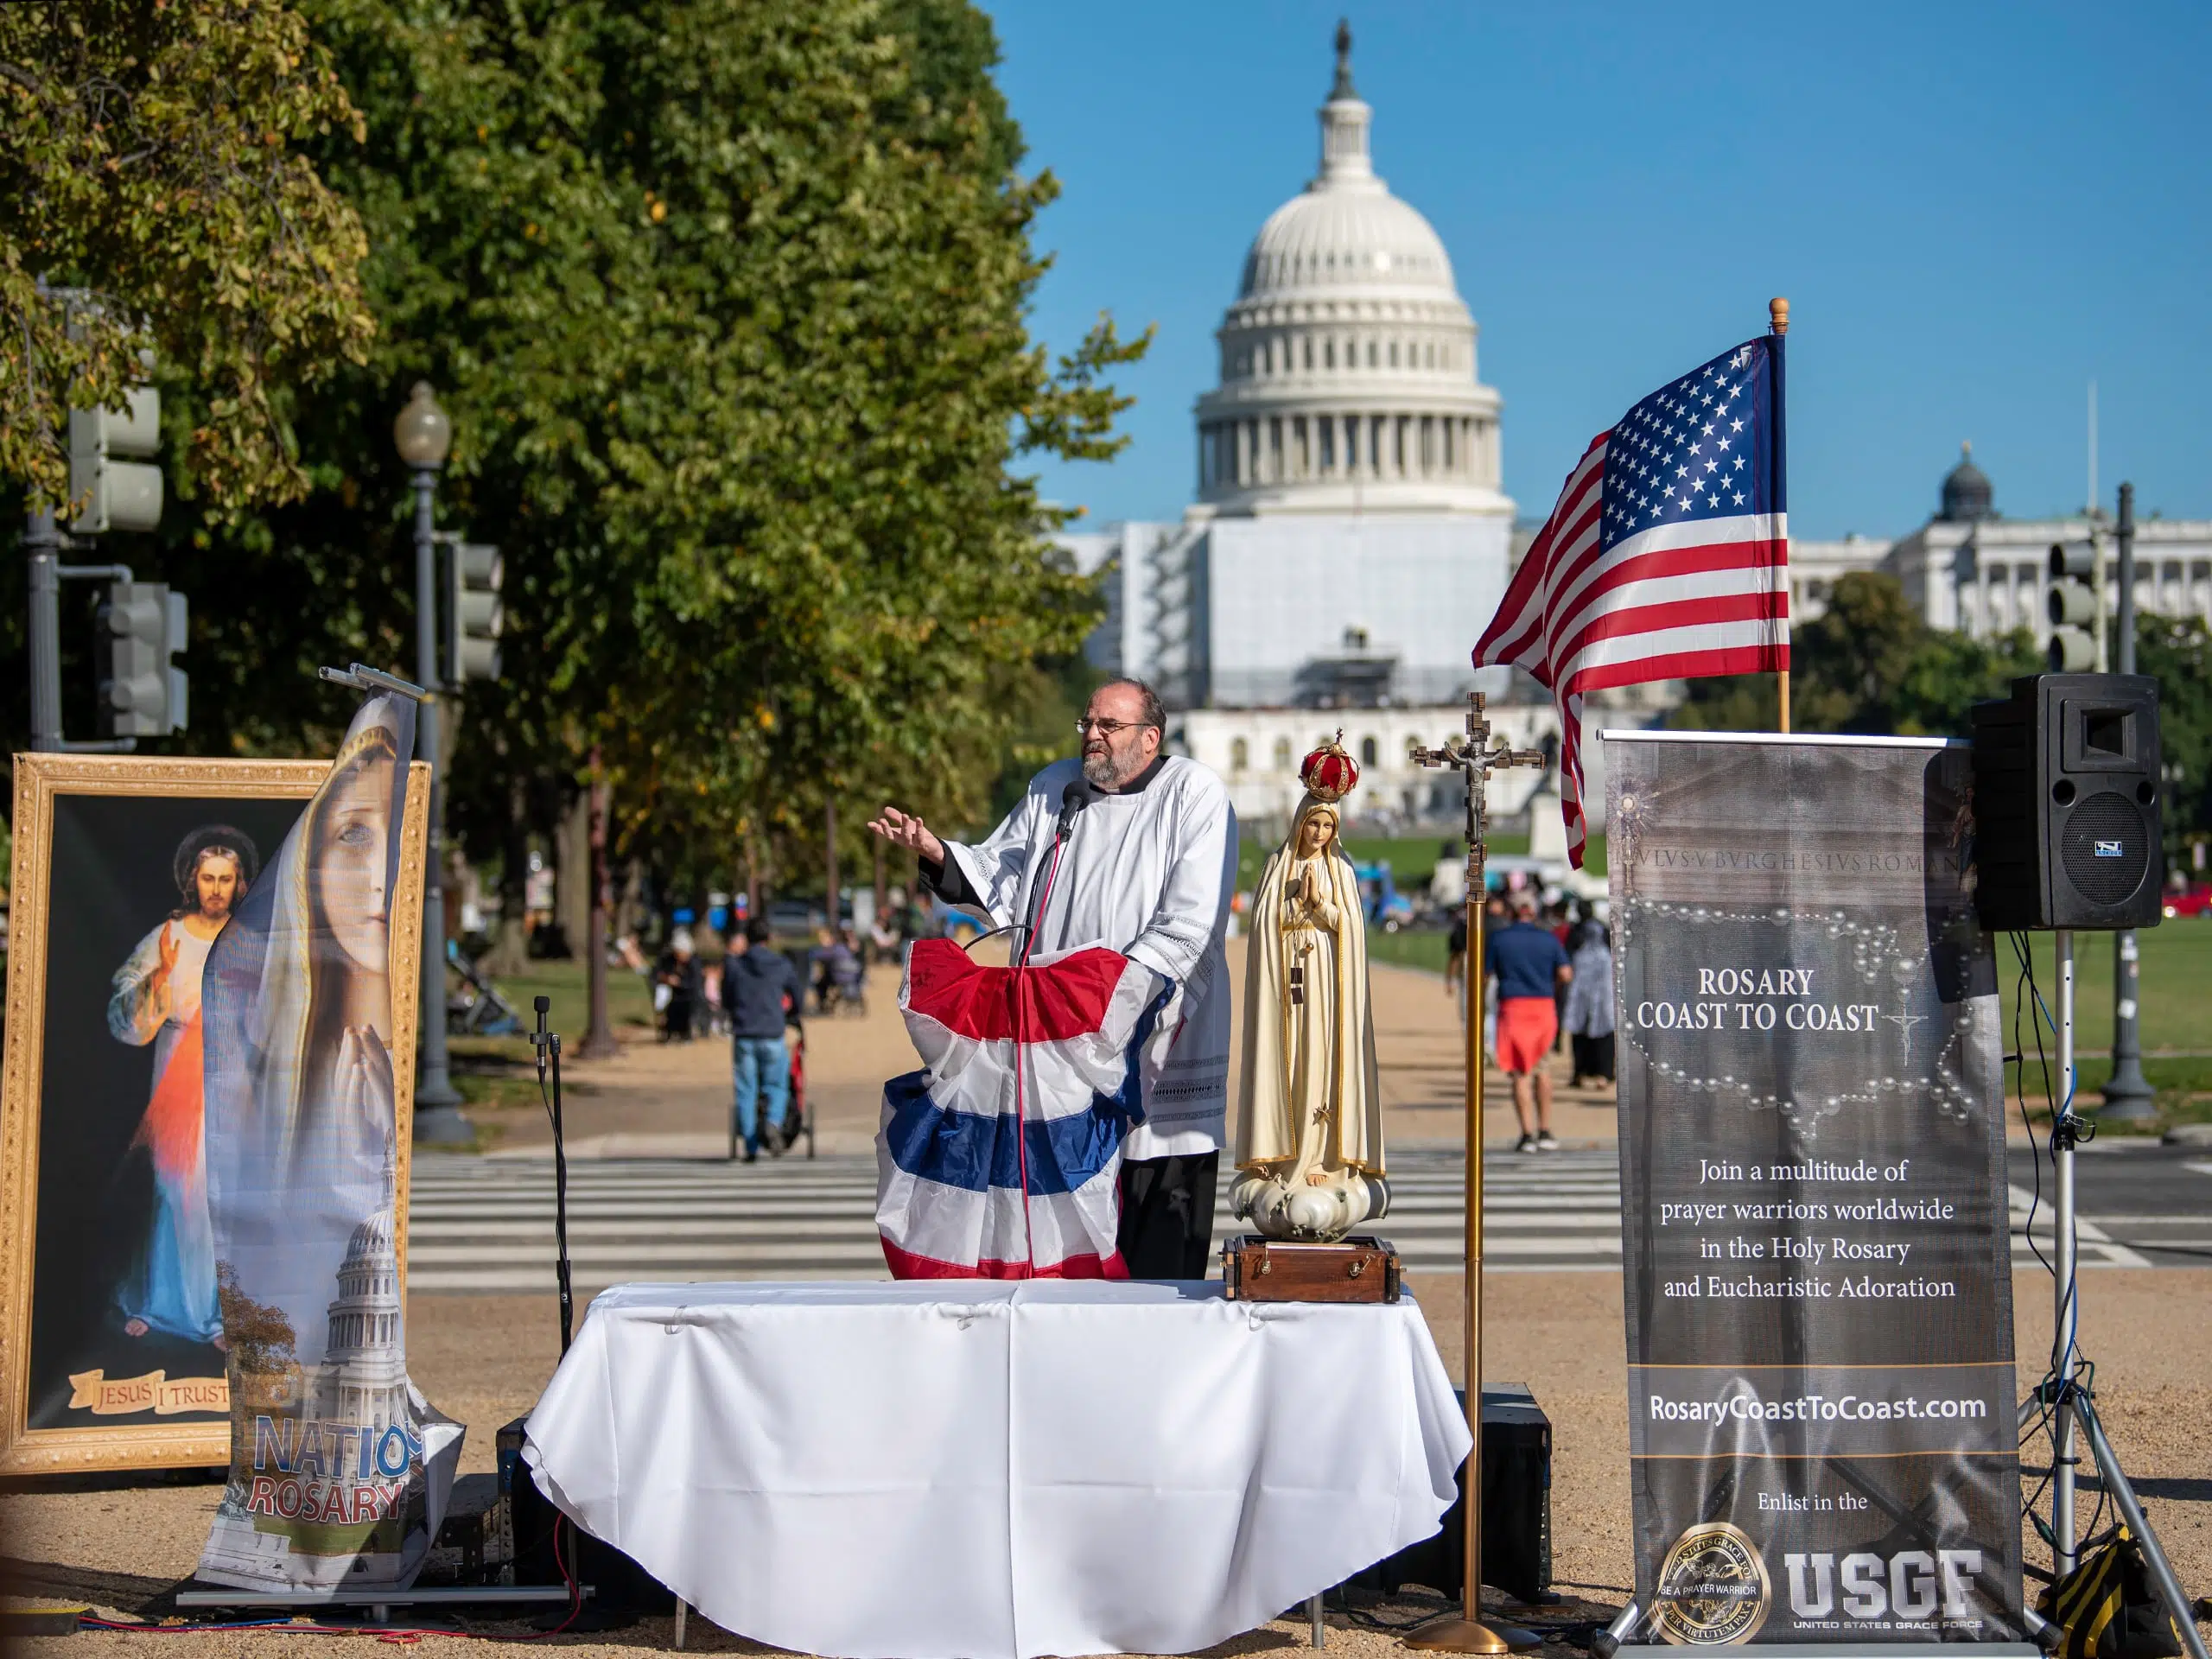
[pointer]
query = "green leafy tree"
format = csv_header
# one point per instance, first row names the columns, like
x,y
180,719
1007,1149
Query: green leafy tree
x,y
1868,664
727,302
150,152
830,560
2176,651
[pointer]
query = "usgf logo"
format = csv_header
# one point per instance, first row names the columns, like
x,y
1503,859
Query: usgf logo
x,y
1712,1588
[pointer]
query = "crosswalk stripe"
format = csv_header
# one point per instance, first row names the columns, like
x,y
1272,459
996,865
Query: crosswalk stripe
x,y
487,1225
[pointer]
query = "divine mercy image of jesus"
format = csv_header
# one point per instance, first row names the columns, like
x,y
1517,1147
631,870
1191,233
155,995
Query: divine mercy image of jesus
x,y
171,1288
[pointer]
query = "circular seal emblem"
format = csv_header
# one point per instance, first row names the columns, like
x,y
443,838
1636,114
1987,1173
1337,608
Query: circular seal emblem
x,y
1712,1588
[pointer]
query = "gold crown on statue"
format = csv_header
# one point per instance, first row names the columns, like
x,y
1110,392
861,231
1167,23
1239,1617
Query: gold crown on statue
x,y
1330,773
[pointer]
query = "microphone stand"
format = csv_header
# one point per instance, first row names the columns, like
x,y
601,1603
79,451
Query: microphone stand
x,y
548,1045
1073,800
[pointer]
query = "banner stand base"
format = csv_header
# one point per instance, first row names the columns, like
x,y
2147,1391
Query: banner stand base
x,y
1849,1650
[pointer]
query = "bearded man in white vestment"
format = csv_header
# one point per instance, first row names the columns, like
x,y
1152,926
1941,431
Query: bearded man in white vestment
x,y
1146,866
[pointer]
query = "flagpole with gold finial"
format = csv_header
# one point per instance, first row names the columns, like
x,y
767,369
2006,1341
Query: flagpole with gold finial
x,y
1777,318
1464,1632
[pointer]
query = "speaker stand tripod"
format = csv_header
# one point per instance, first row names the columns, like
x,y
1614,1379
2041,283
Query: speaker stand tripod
x,y
2063,1394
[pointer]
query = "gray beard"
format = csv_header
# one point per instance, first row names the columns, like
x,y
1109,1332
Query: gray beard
x,y
1098,771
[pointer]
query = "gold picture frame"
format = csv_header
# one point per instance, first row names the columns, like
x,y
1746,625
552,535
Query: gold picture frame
x,y
41,781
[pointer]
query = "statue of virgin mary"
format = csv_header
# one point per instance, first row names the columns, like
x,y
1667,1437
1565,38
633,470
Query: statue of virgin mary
x,y
1309,1134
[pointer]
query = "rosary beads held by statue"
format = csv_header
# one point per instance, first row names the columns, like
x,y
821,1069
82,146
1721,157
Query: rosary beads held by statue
x,y
1309,1138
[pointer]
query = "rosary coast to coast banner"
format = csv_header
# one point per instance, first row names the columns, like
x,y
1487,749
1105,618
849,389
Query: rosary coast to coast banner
x,y
1813,1185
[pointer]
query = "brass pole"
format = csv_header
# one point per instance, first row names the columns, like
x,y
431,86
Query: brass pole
x,y
1777,322
1466,1632
1472,1596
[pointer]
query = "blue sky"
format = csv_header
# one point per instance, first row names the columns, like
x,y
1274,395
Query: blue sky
x,y
1974,210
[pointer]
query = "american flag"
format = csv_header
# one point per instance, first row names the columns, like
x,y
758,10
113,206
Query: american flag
x,y
1666,558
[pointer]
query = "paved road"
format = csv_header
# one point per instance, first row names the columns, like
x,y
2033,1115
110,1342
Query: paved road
x,y
486,1224
2139,1206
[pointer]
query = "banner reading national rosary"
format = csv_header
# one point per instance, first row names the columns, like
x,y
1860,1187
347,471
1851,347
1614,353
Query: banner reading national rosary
x,y
1813,1189
339,1468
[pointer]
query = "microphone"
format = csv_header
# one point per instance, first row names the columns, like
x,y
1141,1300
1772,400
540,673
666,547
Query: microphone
x,y
1073,800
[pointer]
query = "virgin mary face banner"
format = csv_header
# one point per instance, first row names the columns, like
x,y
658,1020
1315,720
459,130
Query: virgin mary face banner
x,y
1813,1192
338,1469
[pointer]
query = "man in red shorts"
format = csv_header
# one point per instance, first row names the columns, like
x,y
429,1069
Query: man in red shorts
x,y
1528,963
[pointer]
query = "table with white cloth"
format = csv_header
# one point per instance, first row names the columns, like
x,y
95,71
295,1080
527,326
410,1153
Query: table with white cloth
x,y
959,1469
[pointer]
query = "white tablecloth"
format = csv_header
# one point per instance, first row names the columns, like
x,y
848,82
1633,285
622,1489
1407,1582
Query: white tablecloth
x,y
957,1470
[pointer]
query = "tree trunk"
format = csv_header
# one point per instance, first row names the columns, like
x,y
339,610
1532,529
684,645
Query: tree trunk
x,y
572,870
510,951
830,846
599,1036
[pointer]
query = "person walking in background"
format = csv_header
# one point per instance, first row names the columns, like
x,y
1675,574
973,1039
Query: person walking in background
x,y
837,970
1496,917
1455,963
678,974
1590,1003
848,970
759,993
883,940
1528,963
1564,919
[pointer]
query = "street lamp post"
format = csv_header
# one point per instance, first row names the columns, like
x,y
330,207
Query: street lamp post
x,y
424,435
2128,1096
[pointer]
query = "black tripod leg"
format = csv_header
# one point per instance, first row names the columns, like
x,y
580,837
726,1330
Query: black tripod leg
x,y
2123,1496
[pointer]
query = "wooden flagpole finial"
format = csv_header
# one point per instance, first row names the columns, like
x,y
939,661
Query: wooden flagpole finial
x,y
1777,316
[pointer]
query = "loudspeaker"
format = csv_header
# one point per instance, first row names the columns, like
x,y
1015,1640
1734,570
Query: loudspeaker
x,y
1516,1509
2066,803
545,1542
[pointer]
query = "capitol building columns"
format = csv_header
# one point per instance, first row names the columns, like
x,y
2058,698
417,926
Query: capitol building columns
x,y
1307,445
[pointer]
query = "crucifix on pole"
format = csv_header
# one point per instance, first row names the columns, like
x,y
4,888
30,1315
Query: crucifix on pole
x,y
1474,757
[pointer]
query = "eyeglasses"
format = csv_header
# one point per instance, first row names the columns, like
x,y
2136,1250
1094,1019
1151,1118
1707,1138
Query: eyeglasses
x,y
1106,728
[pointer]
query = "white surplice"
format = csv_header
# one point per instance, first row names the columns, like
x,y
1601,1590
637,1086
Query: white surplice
x,y
1148,873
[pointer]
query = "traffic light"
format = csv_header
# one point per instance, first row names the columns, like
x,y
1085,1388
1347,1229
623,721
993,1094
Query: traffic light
x,y
115,494
2074,599
142,693
474,571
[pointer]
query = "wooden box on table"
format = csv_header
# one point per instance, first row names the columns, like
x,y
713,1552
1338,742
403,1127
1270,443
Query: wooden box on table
x,y
1360,1268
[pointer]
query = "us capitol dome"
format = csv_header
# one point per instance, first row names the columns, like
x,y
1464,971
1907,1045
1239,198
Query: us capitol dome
x,y
1348,378
1348,541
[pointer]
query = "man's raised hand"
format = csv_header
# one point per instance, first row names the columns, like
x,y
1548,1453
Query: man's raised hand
x,y
901,830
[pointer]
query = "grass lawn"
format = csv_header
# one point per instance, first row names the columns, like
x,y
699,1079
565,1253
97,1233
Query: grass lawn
x,y
2175,990
2174,985
502,1070
1411,948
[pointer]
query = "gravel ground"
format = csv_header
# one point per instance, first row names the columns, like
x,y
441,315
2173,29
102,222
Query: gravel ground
x,y
483,1359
